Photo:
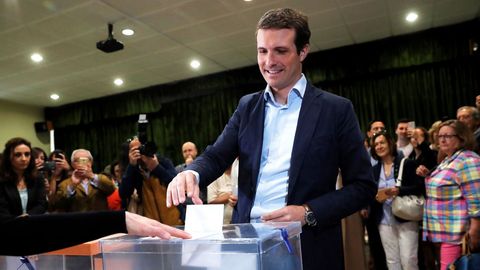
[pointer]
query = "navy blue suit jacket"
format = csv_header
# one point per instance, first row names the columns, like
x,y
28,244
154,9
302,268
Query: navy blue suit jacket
x,y
327,139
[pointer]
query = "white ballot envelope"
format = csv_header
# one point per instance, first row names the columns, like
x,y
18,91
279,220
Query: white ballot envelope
x,y
203,222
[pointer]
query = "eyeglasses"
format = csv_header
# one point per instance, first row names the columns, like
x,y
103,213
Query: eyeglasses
x,y
381,132
447,136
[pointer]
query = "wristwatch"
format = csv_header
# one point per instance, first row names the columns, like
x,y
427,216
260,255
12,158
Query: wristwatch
x,y
310,219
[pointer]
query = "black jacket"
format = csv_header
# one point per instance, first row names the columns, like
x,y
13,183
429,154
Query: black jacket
x,y
412,184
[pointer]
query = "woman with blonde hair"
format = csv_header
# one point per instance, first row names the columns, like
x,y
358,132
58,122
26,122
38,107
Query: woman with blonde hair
x,y
452,208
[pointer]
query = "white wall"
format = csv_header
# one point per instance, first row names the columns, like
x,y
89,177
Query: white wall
x,y
17,120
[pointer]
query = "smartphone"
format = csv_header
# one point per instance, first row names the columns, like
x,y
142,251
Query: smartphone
x,y
411,125
57,154
83,160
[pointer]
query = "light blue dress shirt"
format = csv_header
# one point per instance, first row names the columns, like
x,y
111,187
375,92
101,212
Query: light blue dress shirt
x,y
387,182
279,132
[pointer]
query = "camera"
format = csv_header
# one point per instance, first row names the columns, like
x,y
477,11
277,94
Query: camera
x,y
147,148
48,166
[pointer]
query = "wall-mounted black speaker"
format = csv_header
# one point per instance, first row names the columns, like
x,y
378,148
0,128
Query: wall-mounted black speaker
x,y
41,127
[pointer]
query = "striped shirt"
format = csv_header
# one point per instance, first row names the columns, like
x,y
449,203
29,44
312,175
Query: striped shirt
x,y
453,197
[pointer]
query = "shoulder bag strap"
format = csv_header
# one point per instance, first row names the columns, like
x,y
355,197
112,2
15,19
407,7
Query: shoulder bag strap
x,y
400,173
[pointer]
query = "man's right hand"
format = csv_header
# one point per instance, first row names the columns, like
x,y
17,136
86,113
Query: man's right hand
x,y
183,183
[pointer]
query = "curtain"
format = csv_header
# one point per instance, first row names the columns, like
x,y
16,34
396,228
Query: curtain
x,y
422,76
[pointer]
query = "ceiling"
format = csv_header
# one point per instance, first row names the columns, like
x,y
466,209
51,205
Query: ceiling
x,y
169,34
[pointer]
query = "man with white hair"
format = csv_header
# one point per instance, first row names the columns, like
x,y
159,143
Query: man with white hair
x,y
84,191
470,116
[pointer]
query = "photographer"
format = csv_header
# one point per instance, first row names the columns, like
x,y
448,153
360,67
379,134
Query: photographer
x,y
84,190
61,171
149,174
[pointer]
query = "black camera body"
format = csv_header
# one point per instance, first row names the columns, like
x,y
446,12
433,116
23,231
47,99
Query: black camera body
x,y
48,166
147,148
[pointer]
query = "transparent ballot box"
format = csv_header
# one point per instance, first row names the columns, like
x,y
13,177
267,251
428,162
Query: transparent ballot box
x,y
85,256
239,246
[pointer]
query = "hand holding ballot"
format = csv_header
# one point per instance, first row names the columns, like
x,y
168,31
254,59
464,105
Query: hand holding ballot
x,y
184,183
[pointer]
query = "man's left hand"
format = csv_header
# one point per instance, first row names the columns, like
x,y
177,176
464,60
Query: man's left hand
x,y
286,214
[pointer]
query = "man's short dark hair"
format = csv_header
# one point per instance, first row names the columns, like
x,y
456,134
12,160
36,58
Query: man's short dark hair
x,y
373,121
282,18
402,121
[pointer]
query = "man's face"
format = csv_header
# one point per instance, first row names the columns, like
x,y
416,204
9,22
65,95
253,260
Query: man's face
x,y
477,102
82,160
277,58
402,130
189,150
465,116
375,128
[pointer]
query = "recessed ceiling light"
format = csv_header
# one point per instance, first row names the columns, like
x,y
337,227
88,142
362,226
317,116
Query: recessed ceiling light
x,y
411,17
54,96
128,32
118,81
247,0
36,57
195,64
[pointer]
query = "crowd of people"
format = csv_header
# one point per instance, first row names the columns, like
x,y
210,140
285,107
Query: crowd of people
x,y
441,165
32,186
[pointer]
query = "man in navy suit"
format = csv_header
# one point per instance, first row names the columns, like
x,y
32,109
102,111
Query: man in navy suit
x,y
292,140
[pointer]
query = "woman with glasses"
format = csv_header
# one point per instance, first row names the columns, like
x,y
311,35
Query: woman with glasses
x,y
453,194
399,237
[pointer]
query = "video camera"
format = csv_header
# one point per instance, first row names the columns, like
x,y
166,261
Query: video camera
x,y
147,148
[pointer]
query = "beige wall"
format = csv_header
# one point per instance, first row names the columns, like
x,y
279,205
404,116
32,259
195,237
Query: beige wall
x,y
16,120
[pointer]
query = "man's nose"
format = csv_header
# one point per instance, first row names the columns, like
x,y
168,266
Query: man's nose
x,y
270,58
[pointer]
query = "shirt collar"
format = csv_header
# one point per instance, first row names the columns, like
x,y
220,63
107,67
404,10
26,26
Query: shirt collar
x,y
298,88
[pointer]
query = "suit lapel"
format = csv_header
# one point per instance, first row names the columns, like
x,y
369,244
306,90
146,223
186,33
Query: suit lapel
x,y
257,115
13,193
309,113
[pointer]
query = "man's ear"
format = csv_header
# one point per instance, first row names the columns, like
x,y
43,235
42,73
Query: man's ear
x,y
304,52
